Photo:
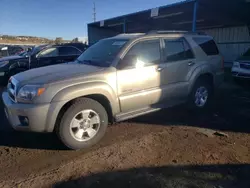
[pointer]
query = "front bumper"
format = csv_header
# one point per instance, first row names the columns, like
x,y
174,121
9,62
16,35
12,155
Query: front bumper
x,y
41,117
240,73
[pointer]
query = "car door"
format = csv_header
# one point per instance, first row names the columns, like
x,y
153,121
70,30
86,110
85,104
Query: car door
x,y
68,54
47,57
178,62
139,81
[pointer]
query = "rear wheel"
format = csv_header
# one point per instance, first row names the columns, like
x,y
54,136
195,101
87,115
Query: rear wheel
x,y
201,95
83,124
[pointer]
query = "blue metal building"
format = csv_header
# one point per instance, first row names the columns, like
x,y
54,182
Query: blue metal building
x,y
217,17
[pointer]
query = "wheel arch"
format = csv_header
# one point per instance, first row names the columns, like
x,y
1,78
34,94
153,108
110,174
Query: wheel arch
x,y
103,100
199,74
208,76
99,92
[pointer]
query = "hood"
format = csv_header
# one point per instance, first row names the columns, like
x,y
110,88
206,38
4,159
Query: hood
x,y
55,73
8,58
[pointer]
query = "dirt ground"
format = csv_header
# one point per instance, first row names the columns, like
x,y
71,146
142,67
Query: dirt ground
x,y
170,148
6,41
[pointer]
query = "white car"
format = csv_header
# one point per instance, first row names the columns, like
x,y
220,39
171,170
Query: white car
x,y
241,67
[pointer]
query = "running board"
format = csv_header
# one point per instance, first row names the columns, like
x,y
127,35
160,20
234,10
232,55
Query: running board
x,y
132,114
147,110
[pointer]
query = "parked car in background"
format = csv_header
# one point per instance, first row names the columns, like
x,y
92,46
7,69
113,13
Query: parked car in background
x,y
241,67
39,56
113,80
11,50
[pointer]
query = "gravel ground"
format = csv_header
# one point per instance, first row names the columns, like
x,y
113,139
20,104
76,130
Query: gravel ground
x,y
170,148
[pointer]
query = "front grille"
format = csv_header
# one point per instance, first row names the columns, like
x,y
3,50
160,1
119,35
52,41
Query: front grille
x,y
245,65
11,88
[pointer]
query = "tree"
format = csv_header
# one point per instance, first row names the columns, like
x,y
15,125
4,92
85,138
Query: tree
x,y
58,40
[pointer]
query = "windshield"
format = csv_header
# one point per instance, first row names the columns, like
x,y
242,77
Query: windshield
x,y
103,52
37,49
247,53
23,54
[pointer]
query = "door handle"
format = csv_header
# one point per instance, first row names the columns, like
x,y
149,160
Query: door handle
x,y
190,63
159,69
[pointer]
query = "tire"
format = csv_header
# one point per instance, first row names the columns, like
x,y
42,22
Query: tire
x,y
199,86
68,134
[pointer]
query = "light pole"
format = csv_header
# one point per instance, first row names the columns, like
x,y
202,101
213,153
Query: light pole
x,y
94,11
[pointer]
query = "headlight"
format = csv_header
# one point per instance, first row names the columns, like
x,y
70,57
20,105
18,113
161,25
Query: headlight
x,y
236,65
29,92
3,63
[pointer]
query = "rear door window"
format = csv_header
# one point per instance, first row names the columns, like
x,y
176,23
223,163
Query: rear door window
x,y
207,45
177,50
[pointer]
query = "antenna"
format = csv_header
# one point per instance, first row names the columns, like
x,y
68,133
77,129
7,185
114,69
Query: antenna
x,y
94,12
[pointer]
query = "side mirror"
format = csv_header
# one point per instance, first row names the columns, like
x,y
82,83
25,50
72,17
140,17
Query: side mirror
x,y
127,61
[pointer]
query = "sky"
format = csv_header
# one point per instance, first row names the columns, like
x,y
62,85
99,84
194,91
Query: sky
x,y
63,18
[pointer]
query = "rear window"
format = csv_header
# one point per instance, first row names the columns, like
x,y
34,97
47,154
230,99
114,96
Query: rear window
x,y
207,45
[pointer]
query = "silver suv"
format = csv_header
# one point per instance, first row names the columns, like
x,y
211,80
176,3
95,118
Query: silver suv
x,y
115,79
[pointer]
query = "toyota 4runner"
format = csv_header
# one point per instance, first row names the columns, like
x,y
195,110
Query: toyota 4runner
x,y
115,79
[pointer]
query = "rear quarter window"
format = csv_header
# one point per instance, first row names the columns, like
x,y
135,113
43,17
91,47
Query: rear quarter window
x,y
207,45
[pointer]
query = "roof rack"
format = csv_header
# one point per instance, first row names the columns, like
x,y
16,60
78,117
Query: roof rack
x,y
175,32
125,34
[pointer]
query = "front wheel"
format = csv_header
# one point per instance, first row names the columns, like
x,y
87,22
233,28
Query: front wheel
x,y
201,95
83,124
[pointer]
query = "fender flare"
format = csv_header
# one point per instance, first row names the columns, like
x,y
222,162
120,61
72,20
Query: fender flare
x,y
198,71
80,90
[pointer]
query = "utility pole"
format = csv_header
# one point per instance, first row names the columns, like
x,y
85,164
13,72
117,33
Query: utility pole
x,y
94,12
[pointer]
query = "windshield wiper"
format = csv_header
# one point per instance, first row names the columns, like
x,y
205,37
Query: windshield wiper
x,y
83,62
89,62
